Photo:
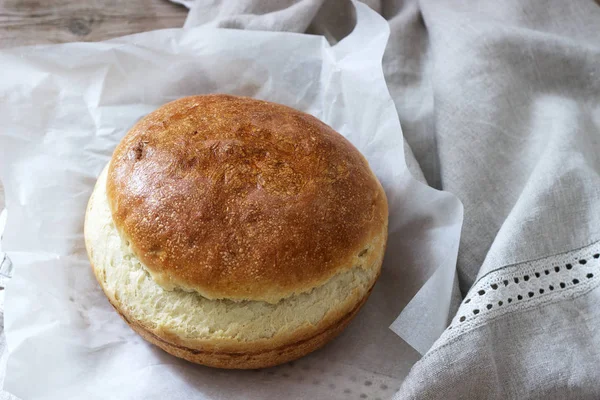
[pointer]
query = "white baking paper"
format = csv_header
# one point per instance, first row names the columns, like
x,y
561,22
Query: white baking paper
x,y
64,108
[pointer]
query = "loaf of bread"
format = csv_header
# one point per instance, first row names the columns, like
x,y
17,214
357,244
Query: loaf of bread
x,y
236,233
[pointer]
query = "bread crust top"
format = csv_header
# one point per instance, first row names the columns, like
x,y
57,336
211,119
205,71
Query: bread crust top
x,y
242,199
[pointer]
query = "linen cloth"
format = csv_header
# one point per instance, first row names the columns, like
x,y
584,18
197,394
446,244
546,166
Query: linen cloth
x,y
499,102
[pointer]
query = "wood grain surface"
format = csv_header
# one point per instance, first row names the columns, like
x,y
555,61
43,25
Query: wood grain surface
x,y
27,22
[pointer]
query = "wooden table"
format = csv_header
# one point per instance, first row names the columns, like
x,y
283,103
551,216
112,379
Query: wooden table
x,y
27,22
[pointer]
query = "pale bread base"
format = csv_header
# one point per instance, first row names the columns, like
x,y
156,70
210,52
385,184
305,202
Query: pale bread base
x,y
248,359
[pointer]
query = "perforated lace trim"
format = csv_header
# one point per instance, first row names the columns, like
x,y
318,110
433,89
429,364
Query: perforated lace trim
x,y
523,286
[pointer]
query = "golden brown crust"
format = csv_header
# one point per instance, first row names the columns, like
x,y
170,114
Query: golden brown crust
x,y
242,199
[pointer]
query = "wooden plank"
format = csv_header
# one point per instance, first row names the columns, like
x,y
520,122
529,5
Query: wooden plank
x,y
28,22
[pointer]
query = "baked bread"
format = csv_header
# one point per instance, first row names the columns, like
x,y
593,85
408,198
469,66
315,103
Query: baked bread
x,y
236,233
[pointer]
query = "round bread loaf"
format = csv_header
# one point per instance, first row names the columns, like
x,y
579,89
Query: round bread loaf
x,y
234,232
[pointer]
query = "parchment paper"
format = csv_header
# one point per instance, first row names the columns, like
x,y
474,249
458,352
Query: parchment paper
x,y
64,108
